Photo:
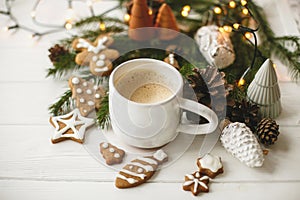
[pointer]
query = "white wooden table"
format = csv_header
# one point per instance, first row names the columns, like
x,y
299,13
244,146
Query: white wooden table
x,y
33,168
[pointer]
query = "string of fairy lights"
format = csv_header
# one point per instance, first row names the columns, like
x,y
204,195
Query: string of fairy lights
x,y
228,27
69,20
54,28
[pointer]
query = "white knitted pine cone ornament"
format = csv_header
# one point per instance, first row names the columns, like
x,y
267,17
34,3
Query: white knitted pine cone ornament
x,y
239,140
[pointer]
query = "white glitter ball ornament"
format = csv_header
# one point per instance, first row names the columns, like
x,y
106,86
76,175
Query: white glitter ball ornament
x,y
239,140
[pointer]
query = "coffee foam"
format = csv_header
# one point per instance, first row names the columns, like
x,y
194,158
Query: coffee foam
x,y
134,79
151,93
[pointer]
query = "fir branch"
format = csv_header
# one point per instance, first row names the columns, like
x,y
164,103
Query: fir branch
x,y
63,105
98,19
186,70
103,119
290,58
64,63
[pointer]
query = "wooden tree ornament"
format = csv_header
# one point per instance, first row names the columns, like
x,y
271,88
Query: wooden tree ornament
x,y
166,19
264,91
140,18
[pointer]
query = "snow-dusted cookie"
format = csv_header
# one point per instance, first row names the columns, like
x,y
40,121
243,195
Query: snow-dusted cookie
x,y
210,165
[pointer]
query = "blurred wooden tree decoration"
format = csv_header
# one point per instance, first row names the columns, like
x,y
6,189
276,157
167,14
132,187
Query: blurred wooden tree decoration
x,y
166,19
264,90
140,18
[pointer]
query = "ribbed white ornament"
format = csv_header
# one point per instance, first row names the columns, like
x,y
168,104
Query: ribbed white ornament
x,y
239,140
264,91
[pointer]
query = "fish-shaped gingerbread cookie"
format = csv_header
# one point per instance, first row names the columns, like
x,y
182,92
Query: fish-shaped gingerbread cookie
x,y
139,170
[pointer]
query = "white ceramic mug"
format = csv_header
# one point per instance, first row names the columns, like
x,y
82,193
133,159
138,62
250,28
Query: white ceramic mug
x,y
152,125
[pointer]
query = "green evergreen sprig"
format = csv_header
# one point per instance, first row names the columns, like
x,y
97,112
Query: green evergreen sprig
x,y
62,105
64,64
103,119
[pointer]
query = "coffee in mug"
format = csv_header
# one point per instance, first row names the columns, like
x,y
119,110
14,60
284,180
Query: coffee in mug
x,y
145,104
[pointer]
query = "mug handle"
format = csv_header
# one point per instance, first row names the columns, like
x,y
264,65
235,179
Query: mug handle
x,y
199,109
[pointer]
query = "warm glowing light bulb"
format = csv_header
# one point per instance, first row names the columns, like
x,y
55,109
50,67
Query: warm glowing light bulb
x,y
221,29
5,28
102,26
236,25
232,4
187,8
184,13
245,11
243,2
248,35
227,29
150,12
241,82
126,17
33,14
68,25
217,10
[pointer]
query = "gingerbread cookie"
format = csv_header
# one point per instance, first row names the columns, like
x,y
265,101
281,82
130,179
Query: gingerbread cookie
x,y
210,165
96,55
70,126
196,183
87,95
140,170
111,153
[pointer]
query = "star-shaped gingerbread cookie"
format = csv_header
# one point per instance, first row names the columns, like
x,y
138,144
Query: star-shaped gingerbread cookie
x,y
196,183
71,126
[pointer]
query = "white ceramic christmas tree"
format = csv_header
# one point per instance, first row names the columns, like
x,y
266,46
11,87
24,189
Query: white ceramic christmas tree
x,y
264,90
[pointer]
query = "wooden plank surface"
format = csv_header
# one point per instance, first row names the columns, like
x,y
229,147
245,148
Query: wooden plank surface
x,y
33,168
15,190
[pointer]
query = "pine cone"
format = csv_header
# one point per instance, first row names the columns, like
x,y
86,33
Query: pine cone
x,y
244,112
209,88
239,140
56,52
267,131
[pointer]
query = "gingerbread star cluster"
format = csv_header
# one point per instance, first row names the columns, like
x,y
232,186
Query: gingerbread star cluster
x,y
96,55
209,167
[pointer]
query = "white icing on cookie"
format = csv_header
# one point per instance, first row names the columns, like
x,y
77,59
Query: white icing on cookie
x,y
84,84
148,160
95,58
88,91
104,145
142,176
160,155
97,96
117,155
129,180
100,63
148,168
140,170
71,120
79,91
102,57
91,103
111,150
103,69
81,100
211,162
75,80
